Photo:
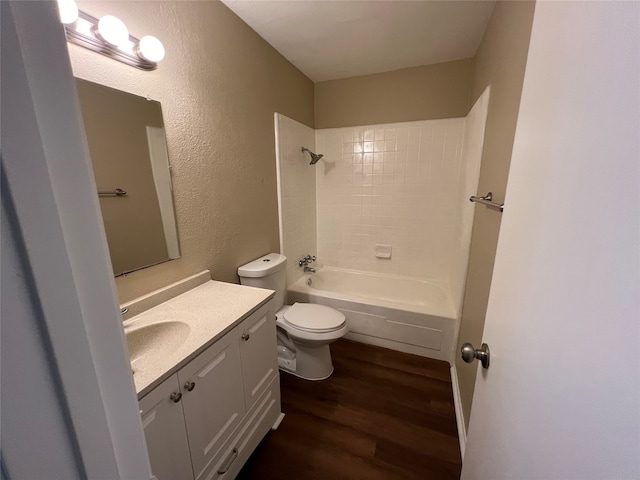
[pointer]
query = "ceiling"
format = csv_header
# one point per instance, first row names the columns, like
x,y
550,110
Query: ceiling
x,y
329,39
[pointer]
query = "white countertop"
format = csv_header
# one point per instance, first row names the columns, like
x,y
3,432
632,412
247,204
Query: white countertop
x,y
209,310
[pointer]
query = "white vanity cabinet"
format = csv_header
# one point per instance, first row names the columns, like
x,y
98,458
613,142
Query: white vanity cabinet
x,y
217,407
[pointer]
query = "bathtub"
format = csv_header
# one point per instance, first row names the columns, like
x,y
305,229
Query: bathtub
x,y
402,313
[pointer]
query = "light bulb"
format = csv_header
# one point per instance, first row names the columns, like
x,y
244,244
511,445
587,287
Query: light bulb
x,y
150,49
68,11
113,30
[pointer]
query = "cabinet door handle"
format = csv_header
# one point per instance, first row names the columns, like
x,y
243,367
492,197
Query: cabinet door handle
x,y
224,468
190,386
176,396
246,337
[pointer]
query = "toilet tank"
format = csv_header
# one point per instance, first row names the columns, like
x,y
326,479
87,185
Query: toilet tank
x,y
269,272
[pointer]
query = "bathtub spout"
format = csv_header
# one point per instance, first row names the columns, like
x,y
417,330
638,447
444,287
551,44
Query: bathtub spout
x,y
308,269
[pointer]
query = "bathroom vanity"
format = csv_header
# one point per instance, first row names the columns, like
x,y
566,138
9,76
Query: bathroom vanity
x,y
205,369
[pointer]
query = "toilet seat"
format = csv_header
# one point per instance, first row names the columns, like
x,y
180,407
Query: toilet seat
x,y
313,318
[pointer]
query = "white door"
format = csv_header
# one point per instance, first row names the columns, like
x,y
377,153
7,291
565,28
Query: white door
x,y
258,352
212,400
561,398
165,431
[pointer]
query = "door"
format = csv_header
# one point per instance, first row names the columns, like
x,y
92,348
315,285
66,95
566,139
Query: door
x,y
212,399
165,431
561,397
258,351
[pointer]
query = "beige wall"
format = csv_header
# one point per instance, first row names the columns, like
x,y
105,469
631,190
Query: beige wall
x,y
420,93
500,63
219,86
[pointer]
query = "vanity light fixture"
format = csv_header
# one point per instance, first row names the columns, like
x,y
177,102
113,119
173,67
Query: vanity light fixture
x,y
112,30
68,11
109,36
150,48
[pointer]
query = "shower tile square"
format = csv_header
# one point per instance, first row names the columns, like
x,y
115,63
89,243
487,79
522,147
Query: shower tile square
x,y
368,147
379,134
369,135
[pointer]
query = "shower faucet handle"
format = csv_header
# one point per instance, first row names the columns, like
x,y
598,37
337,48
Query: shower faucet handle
x,y
306,260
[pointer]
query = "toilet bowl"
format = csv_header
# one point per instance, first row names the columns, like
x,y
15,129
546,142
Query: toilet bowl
x,y
304,330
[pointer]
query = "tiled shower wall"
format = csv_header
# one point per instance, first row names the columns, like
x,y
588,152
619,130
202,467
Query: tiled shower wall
x,y
296,193
406,185
394,184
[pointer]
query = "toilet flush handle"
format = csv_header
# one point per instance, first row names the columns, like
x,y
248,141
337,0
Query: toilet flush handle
x,y
245,337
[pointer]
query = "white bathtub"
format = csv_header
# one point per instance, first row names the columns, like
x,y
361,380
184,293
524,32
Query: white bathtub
x,y
403,313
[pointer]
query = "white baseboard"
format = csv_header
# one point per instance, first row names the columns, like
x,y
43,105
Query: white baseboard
x,y
457,402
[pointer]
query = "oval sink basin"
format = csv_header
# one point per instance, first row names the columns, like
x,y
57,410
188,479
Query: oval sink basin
x,y
157,337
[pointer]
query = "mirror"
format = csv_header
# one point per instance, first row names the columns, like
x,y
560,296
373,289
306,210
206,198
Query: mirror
x,y
131,167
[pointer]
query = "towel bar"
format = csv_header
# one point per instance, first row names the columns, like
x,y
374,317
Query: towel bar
x,y
487,200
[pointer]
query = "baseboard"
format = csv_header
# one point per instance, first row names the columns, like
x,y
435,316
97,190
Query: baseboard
x,y
457,402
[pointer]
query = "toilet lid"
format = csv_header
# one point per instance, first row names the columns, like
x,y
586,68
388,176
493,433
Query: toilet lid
x,y
314,318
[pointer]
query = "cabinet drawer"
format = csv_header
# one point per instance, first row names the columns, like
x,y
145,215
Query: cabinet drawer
x,y
213,399
259,351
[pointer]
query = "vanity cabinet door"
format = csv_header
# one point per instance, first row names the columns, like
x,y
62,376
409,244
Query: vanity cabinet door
x,y
213,400
258,348
165,432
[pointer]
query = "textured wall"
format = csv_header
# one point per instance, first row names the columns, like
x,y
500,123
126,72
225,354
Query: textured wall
x,y
297,184
219,86
420,93
499,63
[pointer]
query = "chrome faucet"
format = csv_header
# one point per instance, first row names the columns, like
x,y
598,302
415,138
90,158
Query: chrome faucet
x,y
304,263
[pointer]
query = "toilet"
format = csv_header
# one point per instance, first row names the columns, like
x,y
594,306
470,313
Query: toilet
x,y
304,330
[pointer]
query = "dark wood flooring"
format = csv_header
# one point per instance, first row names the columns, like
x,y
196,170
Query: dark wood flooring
x,y
381,415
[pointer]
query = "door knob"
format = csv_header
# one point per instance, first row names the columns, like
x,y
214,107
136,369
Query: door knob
x,y
469,354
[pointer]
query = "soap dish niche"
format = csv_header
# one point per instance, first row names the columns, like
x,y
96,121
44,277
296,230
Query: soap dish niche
x,y
382,251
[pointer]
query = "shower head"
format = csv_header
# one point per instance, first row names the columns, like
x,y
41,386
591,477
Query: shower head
x,y
314,156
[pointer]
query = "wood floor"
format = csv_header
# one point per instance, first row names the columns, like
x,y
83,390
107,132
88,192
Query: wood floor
x,y
381,415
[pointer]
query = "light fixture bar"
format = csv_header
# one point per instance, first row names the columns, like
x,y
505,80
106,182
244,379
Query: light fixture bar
x,y
83,32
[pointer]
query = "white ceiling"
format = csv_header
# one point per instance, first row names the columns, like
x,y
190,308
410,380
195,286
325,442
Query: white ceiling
x,y
328,39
